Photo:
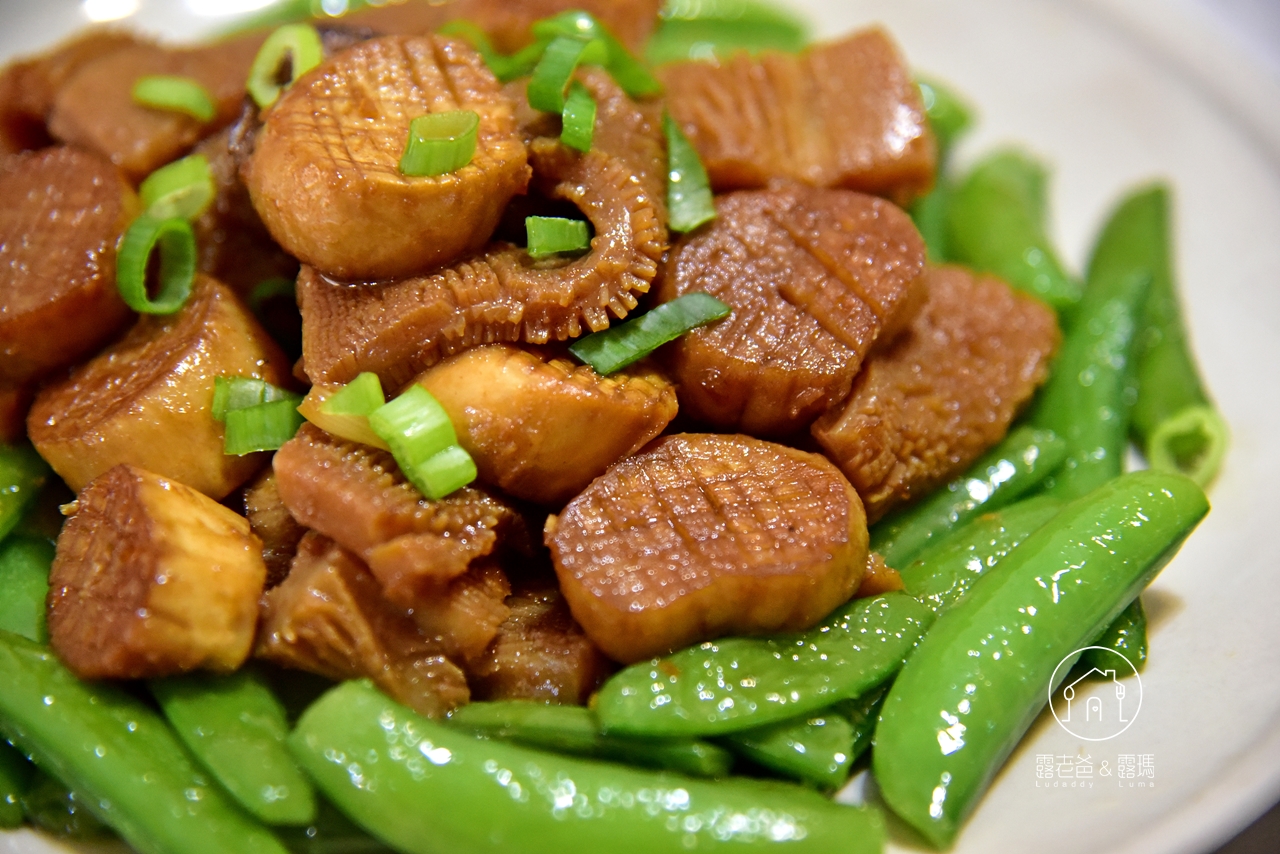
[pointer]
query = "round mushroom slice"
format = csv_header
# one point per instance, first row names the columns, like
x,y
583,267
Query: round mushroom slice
x,y
814,277
700,536
325,172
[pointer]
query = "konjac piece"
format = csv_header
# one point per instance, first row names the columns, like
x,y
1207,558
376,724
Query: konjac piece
x,y
152,579
814,278
63,211
147,400
943,392
398,329
703,535
325,172
842,114
329,618
542,428
464,616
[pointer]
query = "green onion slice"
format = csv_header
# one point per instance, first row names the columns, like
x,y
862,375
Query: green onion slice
x,y
619,346
176,94
689,200
505,68
626,70
553,72
183,189
440,143
261,427
445,472
415,426
549,235
177,245
300,45
232,393
579,118
361,396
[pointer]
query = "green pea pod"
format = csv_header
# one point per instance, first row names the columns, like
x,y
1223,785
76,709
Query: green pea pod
x,y
1022,461
15,776
426,788
944,573
728,685
22,474
235,727
996,225
1127,635
24,586
120,757
814,749
982,673
1174,422
930,213
331,833
55,809
573,730
949,116
863,714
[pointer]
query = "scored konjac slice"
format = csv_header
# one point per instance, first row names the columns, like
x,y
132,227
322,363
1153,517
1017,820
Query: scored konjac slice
x,y
703,535
843,114
543,428
325,172
945,391
63,212
329,618
814,278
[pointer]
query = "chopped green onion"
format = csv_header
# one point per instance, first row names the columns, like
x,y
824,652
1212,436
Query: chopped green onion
x,y
177,245
267,290
446,472
176,94
579,118
553,72
232,393
626,70
183,189
262,427
361,396
440,143
22,474
300,45
689,200
415,426
549,235
619,346
505,68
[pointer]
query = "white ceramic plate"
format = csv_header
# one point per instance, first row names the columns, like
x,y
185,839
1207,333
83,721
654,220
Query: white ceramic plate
x,y
1111,92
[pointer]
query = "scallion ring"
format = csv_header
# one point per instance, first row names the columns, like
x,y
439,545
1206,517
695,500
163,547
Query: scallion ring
x,y
232,393
176,94
415,426
261,427
182,189
361,396
300,45
550,235
177,246
440,143
553,72
626,70
579,118
625,344
444,473
689,199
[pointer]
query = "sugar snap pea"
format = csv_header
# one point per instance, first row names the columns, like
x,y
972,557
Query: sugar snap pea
x,y
814,749
15,775
982,673
1127,635
24,585
1174,422
1024,459
864,713
574,730
235,727
733,684
120,757
996,224
949,117
55,809
426,788
22,474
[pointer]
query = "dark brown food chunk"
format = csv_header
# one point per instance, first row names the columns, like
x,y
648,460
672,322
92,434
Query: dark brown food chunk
x,y
274,525
813,277
94,109
357,495
62,214
399,329
543,428
329,618
540,653
152,578
15,400
147,400
325,173
464,616
943,392
701,536
844,114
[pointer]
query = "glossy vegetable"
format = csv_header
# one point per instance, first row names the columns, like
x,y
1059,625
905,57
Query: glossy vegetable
x,y
689,200
573,730
949,117
230,393
299,45
24,586
262,427
235,727
176,243
615,348
625,69
440,143
55,809
1022,461
814,749
183,189
15,776
425,788
177,94
578,121
996,224
551,76
982,674
551,235
22,475
738,683
1127,635
120,757
505,68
